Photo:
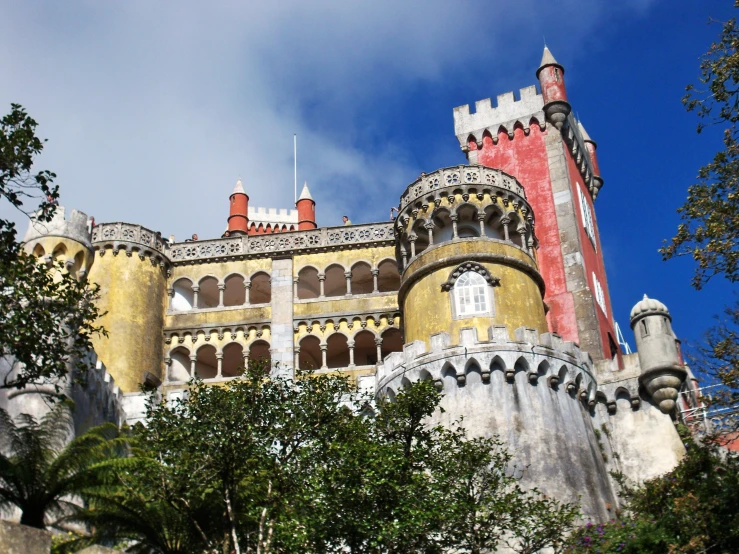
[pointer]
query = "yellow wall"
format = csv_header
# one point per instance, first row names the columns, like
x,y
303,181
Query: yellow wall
x,y
62,250
428,310
220,270
133,293
347,258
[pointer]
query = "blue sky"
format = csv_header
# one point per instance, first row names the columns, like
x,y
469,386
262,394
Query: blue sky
x,y
153,109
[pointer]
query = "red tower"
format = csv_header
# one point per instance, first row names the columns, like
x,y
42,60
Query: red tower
x,y
306,210
537,140
238,217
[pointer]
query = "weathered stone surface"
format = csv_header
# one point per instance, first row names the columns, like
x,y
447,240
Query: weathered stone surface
x,y
19,539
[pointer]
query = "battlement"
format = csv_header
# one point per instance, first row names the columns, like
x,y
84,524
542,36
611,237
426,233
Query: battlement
x,y
130,238
75,227
507,113
272,215
543,359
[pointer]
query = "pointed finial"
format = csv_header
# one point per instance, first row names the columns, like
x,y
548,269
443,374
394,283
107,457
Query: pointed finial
x,y
547,58
239,188
305,194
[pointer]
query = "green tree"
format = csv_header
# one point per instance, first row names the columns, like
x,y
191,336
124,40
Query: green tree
x,y
266,465
47,317
709,231
41,473
693,509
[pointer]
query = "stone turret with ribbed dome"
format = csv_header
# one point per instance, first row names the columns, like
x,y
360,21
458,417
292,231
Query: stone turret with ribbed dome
x,y
648,306
662,373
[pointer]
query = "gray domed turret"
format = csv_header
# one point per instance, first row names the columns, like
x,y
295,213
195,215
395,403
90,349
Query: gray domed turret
x,y
661,370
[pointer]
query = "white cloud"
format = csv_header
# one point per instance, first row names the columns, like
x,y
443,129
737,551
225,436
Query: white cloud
x,y
153,109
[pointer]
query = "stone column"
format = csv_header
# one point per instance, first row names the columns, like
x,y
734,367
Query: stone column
x,y
348,276
350,344
170,293
246,358
295,287
481,218
219,357
283,337
167,365
404,256
321,279
221,290
195,290
378,343
297,358
430,228
522,233
193,359
413,238
455,219
324,348
505,222
247,288
375,273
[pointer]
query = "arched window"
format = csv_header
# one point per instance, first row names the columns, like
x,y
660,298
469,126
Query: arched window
x,y
206,364
388,278
362,280
337,354
392,341
235,292
261,289
365,349
310,353
335,284
179,365
233,360
259,352
183,295
308,284
471,295
208,294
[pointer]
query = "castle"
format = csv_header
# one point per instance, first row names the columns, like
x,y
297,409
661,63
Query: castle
x,y
490,282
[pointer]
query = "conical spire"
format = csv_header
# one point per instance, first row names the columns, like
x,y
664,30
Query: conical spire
x,y
584,133
239,188
547,59
305,194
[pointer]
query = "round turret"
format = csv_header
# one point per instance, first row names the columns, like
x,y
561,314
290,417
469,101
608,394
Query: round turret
x,y
238,217
662,373
551,77
63,239
306,210
591,147
465,242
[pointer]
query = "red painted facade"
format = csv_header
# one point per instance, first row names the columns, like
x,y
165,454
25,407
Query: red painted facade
x,y
238,218
306,214
525,157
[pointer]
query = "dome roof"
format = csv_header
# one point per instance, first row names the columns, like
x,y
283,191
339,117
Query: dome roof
x,y
648,306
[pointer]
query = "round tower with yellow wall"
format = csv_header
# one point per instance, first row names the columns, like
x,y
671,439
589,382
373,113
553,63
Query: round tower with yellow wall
x,y
475,221
63,240
131,268
474,320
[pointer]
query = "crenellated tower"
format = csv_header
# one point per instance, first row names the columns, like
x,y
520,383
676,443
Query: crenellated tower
x,y
537,140
131,268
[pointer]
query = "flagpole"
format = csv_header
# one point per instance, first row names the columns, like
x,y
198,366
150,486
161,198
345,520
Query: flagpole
x,y
295,166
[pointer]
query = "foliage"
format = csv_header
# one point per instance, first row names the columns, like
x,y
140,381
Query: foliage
x,y
264,465
709,231
39,473
693,509
46,317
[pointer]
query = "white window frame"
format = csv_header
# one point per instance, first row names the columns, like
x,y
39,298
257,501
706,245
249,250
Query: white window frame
x,y
600,296
587,216
464,295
